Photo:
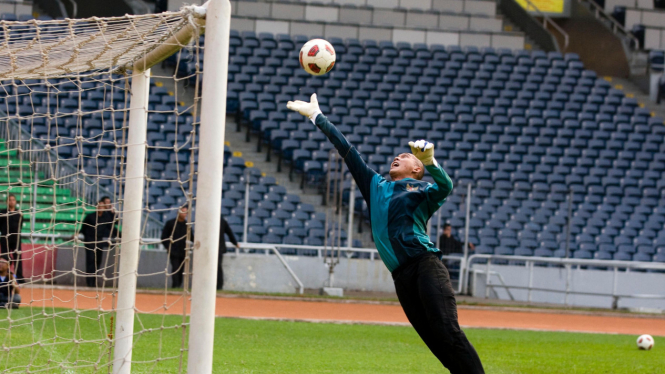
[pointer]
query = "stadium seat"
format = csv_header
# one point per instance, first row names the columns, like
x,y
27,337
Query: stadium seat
x,y
524,127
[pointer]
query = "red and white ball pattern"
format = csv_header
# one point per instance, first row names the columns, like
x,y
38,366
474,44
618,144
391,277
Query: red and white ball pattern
x,y
645,342
317,56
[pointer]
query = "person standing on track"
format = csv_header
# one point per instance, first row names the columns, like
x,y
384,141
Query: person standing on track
x,y
399,212
224,228
11,222
9,289
174,238
448,244
99,229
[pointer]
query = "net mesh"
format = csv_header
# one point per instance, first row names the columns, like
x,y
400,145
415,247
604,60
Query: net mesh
x,y
64,116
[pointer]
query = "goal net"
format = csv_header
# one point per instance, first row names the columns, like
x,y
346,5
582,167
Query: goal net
x,y
71,93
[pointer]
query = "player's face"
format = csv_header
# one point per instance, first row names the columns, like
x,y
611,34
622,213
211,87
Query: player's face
x,y
3,266
447,231
105,204
402,166
11,202
182,214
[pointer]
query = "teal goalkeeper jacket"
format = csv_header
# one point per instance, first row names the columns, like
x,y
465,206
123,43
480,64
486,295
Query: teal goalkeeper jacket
x,y
399,211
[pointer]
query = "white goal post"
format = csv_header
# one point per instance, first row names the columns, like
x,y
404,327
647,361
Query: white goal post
x,y
84,51
209,189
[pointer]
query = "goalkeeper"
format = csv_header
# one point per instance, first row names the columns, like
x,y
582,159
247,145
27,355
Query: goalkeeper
x,y
399,212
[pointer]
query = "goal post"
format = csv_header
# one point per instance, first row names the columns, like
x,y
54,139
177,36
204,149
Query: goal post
x,y
131,222
209,189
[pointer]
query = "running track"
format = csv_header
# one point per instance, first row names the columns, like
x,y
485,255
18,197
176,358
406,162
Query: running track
x,y
356,312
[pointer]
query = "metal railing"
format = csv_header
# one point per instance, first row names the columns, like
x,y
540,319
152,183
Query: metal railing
x,y
321,252
467,273
567,264
547,21
613,24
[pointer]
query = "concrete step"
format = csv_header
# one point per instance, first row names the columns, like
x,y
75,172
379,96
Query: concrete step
x,y
237,142
510,26
632,90
164,76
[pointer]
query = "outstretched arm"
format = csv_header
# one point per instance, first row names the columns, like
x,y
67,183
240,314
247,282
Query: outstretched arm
x,y
357,166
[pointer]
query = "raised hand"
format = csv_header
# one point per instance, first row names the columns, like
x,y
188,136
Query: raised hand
x,y
310,109
424,151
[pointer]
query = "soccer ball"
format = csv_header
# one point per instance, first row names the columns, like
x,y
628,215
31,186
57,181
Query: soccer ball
x,y
317,56
645,342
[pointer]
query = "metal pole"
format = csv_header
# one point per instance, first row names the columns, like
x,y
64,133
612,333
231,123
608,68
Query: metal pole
x,y
530,266
244,229
34,205
209,188
131,223
466,224
570,217
326,202
568,269
615,299
487,279
352,206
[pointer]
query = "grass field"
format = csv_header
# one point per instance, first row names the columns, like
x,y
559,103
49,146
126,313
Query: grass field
x,y
249,346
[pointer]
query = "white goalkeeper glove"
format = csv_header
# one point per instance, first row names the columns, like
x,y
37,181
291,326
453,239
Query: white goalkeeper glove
x,y
424,151
310,109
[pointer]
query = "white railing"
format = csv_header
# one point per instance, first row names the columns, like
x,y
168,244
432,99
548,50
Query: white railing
x,y
466,273
567,264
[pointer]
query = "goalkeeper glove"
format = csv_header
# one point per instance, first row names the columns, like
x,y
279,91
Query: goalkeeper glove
x,y
310,109
424,151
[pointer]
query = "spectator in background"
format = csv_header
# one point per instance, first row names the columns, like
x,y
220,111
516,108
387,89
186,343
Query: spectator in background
x,y
161,6
448,244
99,228
11,222
174,238
223,229
9,290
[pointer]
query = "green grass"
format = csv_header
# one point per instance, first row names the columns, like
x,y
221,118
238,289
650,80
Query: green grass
x,y
247,346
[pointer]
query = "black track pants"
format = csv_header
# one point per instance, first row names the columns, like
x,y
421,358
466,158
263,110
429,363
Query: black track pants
x,y
220,272
93,261
177,271
427,297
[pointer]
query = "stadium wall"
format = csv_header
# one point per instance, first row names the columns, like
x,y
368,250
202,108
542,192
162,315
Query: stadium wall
x,y
396,35
16,8
243,272
266,274
69,260
581,280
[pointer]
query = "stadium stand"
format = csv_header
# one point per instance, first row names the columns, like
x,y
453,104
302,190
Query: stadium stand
x,y
276,216
524,128
13,174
